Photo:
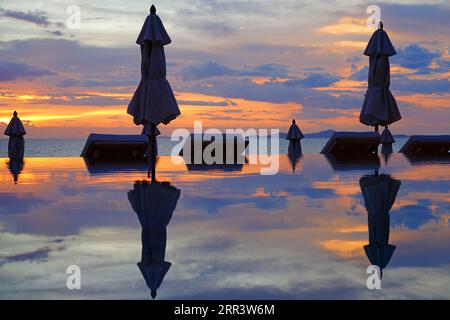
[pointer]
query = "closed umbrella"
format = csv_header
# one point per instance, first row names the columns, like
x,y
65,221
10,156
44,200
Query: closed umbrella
x,y
15,131
294,132
153,101
387,139
294,136
154,204
379,106
379,193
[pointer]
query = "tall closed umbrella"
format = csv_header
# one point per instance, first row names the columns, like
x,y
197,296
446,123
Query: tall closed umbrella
x,y
294,136
153,101
379,193
154,204
379,106
15,131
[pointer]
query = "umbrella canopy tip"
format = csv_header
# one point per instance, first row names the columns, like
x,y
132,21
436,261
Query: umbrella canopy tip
x,y
153,9
153,294
15,113
293,121
380,25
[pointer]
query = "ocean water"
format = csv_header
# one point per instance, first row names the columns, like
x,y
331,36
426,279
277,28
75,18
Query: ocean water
x,y
73,147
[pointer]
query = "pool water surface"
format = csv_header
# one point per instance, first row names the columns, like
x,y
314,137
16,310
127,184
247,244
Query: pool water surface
x,y
224,233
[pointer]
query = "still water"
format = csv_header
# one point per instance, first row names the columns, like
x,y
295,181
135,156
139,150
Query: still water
x,y
224,233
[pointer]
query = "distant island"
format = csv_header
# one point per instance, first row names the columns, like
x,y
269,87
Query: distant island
x,y
328,133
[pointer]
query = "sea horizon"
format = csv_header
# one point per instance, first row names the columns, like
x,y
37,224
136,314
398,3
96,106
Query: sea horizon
x,y
44,147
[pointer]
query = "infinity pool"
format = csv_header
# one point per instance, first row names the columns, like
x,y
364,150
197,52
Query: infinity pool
x,y
224,233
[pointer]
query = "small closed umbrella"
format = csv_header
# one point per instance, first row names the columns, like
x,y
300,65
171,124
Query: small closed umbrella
x,y
379,193
379,106
387,139
294,136
16,144
154,204
153,101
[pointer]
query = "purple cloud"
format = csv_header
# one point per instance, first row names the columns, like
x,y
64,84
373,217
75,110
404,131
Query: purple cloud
x,y
10,70
206,70
37,17
421,19
313,80
414,56
69,82
213,69
361,74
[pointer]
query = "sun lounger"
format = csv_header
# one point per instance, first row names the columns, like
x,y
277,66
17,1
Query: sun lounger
x,y
350,144
115,147
427,145
196,144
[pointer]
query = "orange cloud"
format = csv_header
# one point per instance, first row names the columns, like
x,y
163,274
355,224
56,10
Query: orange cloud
x,y
343,188
345,248
346,25
36,110
432,173
427,101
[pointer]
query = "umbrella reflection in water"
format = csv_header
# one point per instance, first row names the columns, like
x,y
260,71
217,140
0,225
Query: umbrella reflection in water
x,y
294,153
154,204
379,193
15,166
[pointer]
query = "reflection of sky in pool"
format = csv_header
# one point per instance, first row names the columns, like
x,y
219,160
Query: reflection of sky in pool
x,y
234,234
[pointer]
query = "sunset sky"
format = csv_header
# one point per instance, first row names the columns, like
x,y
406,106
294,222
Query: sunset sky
x,y
232,64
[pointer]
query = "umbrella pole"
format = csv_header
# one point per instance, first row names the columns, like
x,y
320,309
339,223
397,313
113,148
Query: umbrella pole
x,y
376,128
152,152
